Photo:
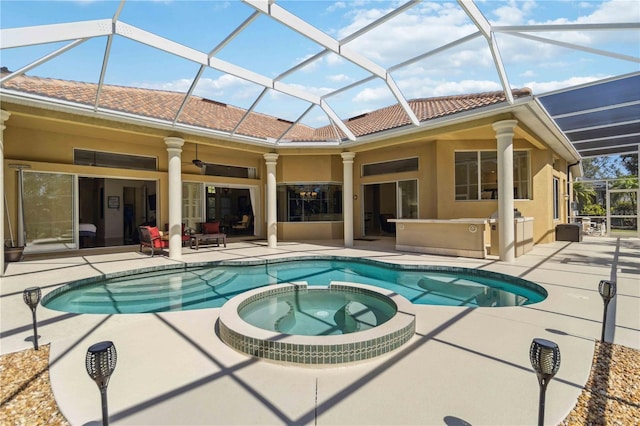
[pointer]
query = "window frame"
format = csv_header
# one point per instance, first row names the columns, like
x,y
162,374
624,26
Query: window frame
x,y
311,208
556,198
106,159
479,185
383,164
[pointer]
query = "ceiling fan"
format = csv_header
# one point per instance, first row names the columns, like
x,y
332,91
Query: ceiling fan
x,y
196,162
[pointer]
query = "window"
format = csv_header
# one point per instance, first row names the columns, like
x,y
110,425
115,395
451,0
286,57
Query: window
x,y
396,166
476,175
84,157
230,171
309,202
556,198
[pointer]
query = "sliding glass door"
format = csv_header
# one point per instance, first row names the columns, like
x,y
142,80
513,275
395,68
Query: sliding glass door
x,y
48,208
389,200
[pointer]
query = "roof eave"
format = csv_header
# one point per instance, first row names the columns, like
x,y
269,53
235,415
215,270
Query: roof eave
x,y
121,117
528,109
440,122
536,118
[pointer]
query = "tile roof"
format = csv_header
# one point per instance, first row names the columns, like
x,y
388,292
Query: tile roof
x,y
204,113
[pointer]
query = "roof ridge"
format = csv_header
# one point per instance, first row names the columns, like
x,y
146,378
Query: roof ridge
x,y
524,91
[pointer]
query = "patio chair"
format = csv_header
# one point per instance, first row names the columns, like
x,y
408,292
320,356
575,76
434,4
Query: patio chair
x,y
385,225
244,224
150,237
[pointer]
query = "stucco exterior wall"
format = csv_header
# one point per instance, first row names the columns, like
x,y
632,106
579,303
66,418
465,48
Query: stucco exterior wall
x,y
539,206
425,175
301,231
47,145
321,167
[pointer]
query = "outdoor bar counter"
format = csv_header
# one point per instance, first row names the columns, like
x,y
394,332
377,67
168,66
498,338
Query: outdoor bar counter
x,y
468,237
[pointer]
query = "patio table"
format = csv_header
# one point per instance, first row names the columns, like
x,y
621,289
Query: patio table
x,y
205,239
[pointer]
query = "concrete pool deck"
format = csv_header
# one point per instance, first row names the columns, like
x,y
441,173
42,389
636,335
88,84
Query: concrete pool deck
x,y
463,366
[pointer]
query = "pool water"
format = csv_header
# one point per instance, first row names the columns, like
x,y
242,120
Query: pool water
x,y
318,312
211,285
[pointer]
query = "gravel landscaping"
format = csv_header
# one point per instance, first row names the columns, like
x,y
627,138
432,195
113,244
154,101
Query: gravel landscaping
x,y
611,395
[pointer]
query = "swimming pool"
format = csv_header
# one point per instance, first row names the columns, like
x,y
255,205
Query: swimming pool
x,y
210,285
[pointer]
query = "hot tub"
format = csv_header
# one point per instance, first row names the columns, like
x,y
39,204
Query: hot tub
x,y
341,323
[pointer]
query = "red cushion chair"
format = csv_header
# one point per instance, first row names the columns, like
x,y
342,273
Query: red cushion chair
x,y
186,238
150,237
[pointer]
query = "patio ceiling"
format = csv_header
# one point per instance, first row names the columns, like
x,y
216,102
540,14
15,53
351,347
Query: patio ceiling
x,y
595,124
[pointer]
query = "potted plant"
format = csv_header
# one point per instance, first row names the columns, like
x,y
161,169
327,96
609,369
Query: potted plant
x,y
13,253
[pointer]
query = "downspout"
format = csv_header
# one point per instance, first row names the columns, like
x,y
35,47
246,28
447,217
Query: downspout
x,y
569,187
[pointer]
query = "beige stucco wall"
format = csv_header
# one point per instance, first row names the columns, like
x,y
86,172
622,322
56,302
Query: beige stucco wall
x,y
300,231
45,141
426,176
47,146
450,238
321,167
539,206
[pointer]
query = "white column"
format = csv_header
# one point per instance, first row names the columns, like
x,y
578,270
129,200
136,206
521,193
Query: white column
x,y
347,196
504,134
272,212
4,116
174,148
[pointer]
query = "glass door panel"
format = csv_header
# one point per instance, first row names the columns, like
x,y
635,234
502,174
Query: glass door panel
x,y
408,199
192,204
48,207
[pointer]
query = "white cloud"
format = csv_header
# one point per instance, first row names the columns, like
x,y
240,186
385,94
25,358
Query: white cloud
x,y
421,28
339,78
314,90
513,12
430,25
468,68
549,86
426,87
232,89
336,6
371,94
334,60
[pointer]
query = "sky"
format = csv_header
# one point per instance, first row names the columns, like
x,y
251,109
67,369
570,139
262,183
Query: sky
x,y
268,48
